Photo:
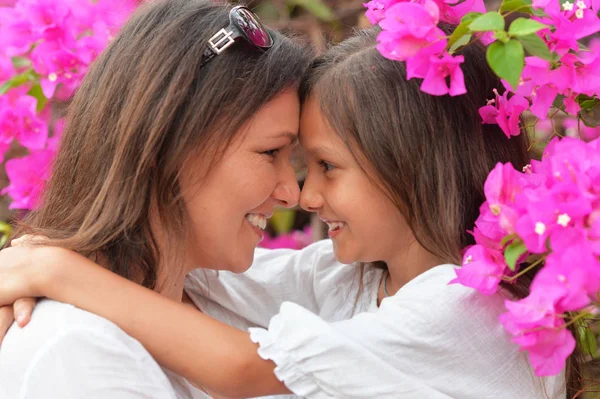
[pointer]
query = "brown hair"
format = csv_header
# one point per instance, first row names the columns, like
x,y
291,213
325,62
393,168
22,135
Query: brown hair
x,y
430,153
143,111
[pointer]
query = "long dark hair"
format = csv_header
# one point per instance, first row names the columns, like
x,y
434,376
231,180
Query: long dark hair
x,y
142,113
432,154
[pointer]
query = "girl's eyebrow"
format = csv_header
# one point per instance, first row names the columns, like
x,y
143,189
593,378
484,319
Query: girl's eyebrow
x,y
319,150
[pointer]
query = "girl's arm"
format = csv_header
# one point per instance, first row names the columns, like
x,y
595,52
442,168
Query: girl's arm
x,y
207,352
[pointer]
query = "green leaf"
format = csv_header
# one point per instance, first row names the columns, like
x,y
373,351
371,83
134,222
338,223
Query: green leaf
x,y
318,8
590,117
461,36
17,80
470,17
559,102
460,42
586,340
21,62
535,46
507,60
459,33
502,36
6,86
523,6
588,104
524,27
584,97
38,94
507,239
513,252
488,21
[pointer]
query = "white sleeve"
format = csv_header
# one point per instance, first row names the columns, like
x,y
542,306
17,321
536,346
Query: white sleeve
x,y
430,340
84,364
304,277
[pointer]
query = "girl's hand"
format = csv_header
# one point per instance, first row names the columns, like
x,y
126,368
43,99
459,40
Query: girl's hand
x,y
22,268
20,311
12,280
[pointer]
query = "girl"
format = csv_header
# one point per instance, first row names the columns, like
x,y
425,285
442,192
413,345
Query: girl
x,y
398,177
180,134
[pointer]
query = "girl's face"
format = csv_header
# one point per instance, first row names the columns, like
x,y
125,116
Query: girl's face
x,y
229,207
364,224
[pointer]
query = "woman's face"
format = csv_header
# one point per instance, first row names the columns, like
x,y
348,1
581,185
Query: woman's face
x,y
230,206
364,224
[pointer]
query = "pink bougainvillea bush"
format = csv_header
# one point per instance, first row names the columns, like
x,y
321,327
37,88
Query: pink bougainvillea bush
x,y
46,47
548,215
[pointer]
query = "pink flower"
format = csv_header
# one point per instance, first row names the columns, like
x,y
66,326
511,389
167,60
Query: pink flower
x,y
7,70
407,28
27,177
571,287
57,65
294,240
577,75
537,329
488,231
505,113
482,269
50,19
542,101
439,69
452,11
18,120
376,10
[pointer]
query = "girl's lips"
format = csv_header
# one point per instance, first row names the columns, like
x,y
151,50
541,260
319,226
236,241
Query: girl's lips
x,y
335,228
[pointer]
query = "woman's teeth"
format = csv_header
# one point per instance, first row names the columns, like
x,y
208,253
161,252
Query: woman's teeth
x,y
256,220
334,226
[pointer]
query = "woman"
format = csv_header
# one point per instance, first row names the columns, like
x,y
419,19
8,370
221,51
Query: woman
x,y
176,152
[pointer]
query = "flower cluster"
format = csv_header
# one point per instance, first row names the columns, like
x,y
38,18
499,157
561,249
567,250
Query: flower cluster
x,y
541,59
46,47
410,33
547,216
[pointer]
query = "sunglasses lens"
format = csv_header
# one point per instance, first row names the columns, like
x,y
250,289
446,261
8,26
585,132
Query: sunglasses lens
x,y
249,24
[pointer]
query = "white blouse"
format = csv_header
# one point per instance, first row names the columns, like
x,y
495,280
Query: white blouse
x,y
68,353
310,315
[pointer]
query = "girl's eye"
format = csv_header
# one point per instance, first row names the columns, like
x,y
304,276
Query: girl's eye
x,y
326,166
271,153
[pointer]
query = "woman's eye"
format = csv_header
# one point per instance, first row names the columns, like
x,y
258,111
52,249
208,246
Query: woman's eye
x,y
271,153
326,166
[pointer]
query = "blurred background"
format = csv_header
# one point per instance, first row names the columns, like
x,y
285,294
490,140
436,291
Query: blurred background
x,y
319,21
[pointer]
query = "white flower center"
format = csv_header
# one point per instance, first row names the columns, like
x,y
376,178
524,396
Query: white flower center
x,y
540,228
563,220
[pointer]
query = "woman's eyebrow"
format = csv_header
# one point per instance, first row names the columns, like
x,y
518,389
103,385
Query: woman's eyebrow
x,y
293,137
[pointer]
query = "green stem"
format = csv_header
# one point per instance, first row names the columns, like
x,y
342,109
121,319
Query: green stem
x,y
516,10
524,271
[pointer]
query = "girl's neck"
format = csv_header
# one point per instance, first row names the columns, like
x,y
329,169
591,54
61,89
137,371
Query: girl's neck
x,y
408,264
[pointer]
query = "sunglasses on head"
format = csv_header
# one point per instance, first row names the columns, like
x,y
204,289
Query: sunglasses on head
x,y
243,24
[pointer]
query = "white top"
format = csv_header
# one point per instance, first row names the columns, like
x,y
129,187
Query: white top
x,y
430,340
68,353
